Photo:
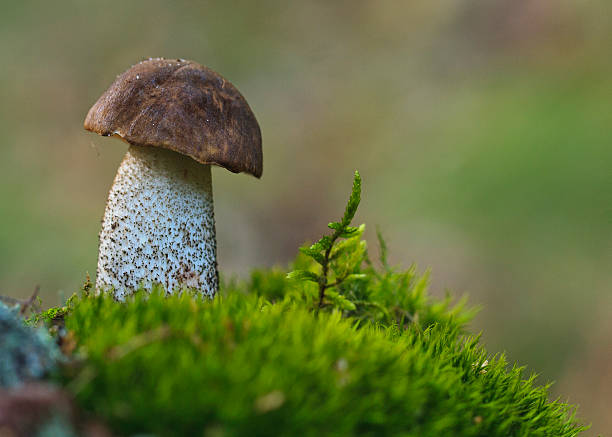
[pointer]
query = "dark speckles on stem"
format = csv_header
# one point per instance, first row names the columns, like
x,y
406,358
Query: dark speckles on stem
x,y
167,226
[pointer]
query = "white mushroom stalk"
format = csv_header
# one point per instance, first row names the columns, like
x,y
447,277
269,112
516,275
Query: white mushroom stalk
x,y
159,225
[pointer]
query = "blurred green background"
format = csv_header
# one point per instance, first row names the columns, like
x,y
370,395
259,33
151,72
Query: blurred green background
x,y
482,130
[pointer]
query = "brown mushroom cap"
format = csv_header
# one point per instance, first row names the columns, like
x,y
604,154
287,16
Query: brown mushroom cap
x,y
182,106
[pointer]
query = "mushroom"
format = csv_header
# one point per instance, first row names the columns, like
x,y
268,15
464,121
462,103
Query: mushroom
x,y
179,118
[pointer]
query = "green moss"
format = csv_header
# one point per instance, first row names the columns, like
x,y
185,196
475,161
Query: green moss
x,y
244,366
48,316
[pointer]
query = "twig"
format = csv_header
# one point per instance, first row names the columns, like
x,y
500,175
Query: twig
x,y
28,303
24,304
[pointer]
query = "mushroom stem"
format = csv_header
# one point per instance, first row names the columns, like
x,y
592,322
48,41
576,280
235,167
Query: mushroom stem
x,y
159,225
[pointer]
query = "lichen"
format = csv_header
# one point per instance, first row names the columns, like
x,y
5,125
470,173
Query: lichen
x,y
26,353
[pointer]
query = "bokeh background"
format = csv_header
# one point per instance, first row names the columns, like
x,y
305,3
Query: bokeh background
x,y
482,130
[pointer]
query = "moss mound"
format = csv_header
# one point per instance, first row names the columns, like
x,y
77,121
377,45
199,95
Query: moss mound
x,y
240,365
337,346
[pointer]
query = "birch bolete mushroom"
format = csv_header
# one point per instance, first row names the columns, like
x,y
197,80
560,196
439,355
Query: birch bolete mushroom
x,y
179,118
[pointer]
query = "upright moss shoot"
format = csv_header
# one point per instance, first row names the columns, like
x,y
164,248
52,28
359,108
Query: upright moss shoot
x,y
337,260
347,280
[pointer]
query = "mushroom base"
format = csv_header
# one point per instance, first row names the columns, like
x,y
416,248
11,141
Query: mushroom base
x,y
159,225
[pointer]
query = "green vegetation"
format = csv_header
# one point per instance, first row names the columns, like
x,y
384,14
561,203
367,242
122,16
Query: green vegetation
x,y
370,354
244,366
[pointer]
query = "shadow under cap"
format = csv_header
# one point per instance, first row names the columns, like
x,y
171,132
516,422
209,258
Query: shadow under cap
x,y
181,106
